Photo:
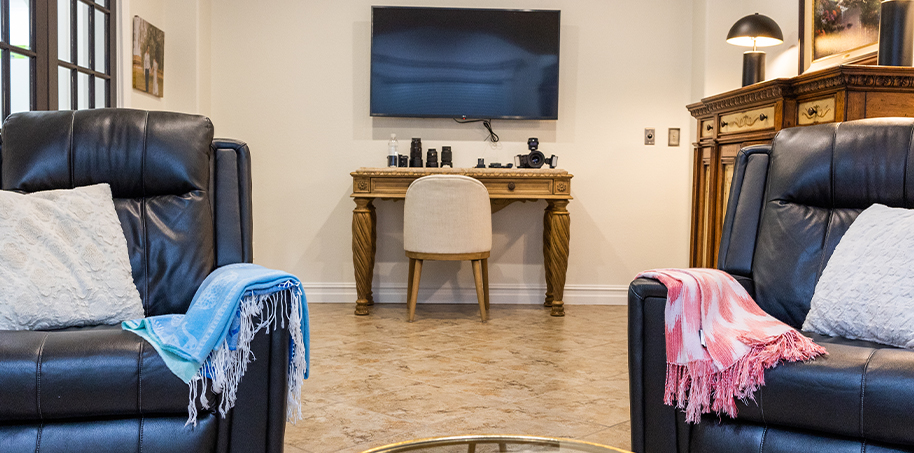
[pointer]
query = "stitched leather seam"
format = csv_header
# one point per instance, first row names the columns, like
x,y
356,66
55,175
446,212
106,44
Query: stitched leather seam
x,y
140,439
38,376
70,151
761,405
139,379
904,175
38,440
866,368
831,169
831,208
761,447
744,158
146,301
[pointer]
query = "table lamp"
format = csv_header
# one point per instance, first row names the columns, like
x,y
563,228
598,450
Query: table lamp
x,y
756,31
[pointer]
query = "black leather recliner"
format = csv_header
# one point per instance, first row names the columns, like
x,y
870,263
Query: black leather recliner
x,y
184,201
789,205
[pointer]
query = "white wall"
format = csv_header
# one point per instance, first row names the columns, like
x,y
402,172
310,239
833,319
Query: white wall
x,y
291,79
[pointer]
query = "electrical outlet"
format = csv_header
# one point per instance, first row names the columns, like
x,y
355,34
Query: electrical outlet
x,y
649,136
673,137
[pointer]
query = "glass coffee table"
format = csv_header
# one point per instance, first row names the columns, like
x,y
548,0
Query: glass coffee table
x,y
495,443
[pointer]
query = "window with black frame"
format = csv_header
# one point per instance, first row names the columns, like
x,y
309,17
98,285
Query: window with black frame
x,y
56,55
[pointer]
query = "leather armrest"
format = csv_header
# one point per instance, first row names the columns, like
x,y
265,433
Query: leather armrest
x,y
654,427
257,423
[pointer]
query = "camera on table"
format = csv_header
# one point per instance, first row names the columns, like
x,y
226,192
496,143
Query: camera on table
x,y
536,158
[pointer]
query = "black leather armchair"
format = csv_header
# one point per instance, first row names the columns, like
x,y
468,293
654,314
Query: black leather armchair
x,y
184,201
789,205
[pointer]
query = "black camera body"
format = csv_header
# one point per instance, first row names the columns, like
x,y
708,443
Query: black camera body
x,y
536,158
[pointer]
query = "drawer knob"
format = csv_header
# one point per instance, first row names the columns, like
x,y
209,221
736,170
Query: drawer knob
x,y
510,186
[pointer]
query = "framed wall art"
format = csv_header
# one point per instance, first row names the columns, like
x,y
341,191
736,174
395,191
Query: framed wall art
x,y
148,58
835,32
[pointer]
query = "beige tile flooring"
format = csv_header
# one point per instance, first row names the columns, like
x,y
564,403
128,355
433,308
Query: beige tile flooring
x,y
377,379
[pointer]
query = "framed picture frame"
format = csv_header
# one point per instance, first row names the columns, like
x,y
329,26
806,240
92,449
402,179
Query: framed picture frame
x,y
148,58
835,32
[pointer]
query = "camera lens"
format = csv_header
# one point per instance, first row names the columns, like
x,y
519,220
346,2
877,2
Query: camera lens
x,y
536,159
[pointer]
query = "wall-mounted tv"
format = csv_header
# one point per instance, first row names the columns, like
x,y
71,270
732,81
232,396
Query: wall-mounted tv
x,y
464,63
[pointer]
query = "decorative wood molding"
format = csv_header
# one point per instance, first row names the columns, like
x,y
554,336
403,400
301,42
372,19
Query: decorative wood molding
x,y
736,100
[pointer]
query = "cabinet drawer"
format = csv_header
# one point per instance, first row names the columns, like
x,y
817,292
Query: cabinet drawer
x,y
707,128
748,120
816,111
508,186
390,185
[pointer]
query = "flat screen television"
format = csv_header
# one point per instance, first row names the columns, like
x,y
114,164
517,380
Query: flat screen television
x,y
464,63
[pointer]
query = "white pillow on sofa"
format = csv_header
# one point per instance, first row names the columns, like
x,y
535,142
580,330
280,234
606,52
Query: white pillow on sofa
x,y
64,261
866,290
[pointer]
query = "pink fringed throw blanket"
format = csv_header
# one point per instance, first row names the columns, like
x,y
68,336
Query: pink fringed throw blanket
x,y
719,342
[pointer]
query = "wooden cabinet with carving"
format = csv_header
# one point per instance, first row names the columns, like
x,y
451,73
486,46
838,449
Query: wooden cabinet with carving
x,y
752,115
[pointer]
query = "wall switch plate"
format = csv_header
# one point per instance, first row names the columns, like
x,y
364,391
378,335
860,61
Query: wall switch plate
x,y
649,136
674,136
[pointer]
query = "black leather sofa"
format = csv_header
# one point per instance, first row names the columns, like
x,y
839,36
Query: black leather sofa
x,y
789,205
184,201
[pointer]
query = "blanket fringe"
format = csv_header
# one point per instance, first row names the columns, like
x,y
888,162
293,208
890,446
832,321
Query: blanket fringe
x,y
693,386
225,367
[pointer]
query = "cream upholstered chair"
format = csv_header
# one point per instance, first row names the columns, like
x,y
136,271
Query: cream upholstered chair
x,y
448,217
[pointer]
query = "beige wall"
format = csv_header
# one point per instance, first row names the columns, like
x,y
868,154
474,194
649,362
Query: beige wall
x,y
186,25
719,65
292,81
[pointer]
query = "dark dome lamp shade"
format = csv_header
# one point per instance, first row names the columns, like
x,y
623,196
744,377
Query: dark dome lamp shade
x,y
756,31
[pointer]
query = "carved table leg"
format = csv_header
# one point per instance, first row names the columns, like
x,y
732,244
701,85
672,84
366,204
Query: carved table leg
x,y
557,258
547,227
363,250
374,249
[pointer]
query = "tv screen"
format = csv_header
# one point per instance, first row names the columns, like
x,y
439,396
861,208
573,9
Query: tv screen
x,y
464,63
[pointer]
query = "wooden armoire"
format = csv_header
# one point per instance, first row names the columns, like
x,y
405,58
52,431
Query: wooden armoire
x,y
753,115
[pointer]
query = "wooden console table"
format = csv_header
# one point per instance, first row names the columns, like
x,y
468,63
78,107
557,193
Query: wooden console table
x,y
505,187
755,113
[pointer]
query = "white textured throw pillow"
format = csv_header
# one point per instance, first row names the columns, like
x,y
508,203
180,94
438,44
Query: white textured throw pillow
x,y
866,291
63,260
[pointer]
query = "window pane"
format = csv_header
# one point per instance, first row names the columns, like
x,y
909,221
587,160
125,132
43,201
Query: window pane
x,y
101,22
20,83
101,94
20,24
64,77
82,91
63,30
82,34
102,3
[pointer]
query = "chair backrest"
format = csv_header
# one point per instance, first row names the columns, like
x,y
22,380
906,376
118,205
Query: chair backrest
x,y
819,178
447,214
183,199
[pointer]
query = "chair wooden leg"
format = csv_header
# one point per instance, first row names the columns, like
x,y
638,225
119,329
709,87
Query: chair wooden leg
x,y
409,285
485,280
477,274
413,289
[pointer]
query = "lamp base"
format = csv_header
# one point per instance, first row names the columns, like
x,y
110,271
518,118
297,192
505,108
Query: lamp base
x,y
896,33
753,67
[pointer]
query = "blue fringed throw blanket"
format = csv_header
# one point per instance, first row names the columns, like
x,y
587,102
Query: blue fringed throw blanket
x,y
212,341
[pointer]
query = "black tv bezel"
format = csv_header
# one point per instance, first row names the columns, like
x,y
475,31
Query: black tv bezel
x,y
460,116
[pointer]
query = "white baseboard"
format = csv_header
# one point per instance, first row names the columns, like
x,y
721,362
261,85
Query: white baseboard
x,y
345,292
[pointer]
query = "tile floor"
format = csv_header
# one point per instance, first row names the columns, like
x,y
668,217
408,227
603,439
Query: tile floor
x,y
377,379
